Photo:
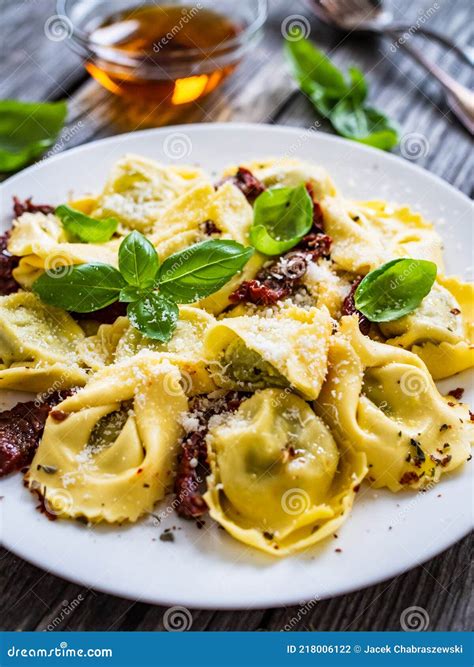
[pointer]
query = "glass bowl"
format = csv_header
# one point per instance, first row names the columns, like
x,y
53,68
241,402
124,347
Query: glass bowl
x,y
167,72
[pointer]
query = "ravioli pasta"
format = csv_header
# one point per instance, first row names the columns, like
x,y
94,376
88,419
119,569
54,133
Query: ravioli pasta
x,y
278,480
109,452
382,401
268,406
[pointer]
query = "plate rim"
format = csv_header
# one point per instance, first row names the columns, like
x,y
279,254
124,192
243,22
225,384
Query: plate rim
x,y
264,601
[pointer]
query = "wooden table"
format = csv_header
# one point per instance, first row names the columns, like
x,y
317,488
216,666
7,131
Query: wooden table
x,y
33,67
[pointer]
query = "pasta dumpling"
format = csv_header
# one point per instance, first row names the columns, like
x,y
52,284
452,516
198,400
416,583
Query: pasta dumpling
x,y
368,234
108,452
289,172
438,330
38,345
42,244
139,189
381,400
288,350
278,481
185,349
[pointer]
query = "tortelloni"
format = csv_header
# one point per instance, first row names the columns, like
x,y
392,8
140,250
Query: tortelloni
x,y
38,345
278,481
368,234
139,189
108,452
439,331
381,400
42,244
288,350
118,341
289,172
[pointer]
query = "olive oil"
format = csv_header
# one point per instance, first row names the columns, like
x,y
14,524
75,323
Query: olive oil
x,y
165,54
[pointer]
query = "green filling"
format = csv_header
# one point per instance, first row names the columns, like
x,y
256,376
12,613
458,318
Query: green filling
x,y
108,428
247,368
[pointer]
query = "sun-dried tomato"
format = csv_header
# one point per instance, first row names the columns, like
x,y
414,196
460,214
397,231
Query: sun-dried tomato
x,y
318,221
27,206
193,465
21,429
348,308
247,183
8,262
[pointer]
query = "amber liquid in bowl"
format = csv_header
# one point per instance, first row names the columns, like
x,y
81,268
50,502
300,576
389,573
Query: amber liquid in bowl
x,y
162,36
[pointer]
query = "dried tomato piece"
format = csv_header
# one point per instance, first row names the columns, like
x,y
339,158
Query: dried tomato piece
x,y
21,429
253,291
348,308
27,206
8,262
247,183
317,244
318,221
193,465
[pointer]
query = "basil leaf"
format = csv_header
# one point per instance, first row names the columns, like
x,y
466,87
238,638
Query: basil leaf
x,y
138,261
282,216
395,289
363,124
27,129
130,293
83,227
312,68
201,269
82,288
155,316
358,85
341,102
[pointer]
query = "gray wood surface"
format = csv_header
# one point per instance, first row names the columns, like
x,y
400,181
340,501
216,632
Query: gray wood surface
x,y
35,68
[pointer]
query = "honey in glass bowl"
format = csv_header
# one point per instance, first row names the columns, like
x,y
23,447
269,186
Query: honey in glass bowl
x,y
163,53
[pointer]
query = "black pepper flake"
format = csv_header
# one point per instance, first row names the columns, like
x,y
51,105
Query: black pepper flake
x,y
420,454
49,470
267,535
167,536
444,427
338,551
456,393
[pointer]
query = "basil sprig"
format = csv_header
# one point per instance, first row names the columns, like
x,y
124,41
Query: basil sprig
x,y
282,216
27,130
202,269
394,289
82,227
341,101
152,292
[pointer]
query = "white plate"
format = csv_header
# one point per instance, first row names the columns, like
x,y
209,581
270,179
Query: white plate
x,y
206,568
